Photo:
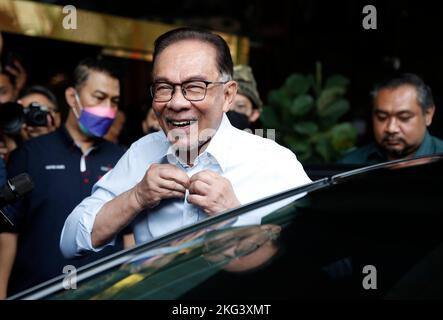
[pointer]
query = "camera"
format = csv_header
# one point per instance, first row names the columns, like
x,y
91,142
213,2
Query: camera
x,y
13,115
36,115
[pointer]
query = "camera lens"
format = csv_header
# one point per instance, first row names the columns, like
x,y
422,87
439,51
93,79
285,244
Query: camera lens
x,y
11,118
36,115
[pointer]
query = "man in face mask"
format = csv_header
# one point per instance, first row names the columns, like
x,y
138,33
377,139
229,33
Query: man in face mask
x,y
245,109
94,103
64,165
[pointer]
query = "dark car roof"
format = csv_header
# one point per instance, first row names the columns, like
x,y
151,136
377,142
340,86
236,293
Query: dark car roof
x,y
386,215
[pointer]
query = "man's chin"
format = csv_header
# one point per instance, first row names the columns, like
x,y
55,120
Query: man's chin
x,y
396,152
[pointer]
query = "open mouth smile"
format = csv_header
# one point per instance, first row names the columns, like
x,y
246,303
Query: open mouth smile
x,y
180,123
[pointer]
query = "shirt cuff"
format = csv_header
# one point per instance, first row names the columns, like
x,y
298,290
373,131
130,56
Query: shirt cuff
x,y
86,223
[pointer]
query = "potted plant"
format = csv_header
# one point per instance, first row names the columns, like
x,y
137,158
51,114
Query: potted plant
x,y
305,114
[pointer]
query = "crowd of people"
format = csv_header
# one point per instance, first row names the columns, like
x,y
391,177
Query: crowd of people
x,y
92,196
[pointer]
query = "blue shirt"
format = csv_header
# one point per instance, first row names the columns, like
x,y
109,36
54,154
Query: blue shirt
x,y
256,168
62,177
373,154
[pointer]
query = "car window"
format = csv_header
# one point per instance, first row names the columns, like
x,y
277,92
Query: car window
x,y
343,223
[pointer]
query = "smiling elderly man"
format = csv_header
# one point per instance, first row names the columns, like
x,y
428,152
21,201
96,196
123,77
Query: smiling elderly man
x,y
197,166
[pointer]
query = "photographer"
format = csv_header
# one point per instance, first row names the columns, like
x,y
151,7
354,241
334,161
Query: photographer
x,y
44,100
35,114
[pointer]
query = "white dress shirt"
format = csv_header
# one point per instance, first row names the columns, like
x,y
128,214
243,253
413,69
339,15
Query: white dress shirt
x,y
255,166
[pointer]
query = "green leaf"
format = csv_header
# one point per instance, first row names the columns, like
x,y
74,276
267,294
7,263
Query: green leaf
x,y
308,128
297,84
305,111
323,148
305,157
278,98
328,96
302,105
335,110
337,80
344,136
297,145
269,118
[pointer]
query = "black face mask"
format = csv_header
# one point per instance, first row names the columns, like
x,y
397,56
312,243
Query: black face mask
x,y
238,120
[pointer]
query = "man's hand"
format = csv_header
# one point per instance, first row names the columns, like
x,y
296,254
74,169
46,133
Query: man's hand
x,y
212,192
161,181
7,145
19,74
3,150
29,132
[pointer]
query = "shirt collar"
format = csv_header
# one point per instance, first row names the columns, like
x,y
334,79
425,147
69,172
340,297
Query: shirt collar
x,y
376,153
218,148
64,134
425,146
66,137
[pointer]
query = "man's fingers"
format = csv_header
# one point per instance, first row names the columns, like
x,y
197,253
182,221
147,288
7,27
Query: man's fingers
x,y
19,66
171,185
170,172
182,180
19,73
206,176
12,71
198,200
3,152
165,193
50,121
199,187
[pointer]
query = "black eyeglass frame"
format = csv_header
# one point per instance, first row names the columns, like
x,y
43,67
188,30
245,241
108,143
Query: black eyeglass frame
x,y
174,85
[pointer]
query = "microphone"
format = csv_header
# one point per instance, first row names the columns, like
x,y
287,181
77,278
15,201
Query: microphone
x,y
13,190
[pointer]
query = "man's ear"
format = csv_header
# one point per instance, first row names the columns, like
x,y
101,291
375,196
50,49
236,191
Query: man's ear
x,y
254,115
230,92
70,97
429,113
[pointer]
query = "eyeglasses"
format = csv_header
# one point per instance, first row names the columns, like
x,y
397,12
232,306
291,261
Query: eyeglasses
x,y
191,90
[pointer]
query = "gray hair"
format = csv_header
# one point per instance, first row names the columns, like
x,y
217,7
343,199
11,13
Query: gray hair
x,y
224,59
